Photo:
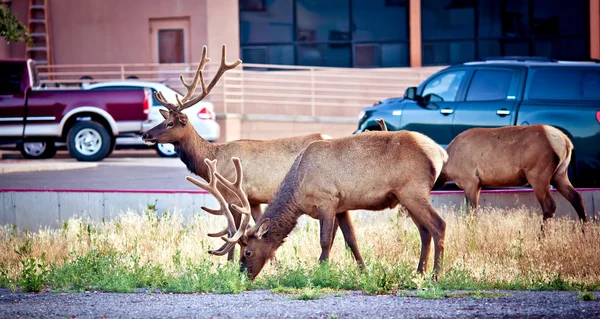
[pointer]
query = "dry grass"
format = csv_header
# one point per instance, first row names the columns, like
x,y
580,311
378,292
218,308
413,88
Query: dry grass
x,y
495,246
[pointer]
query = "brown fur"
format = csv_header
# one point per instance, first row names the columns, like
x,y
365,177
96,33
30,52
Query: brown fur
x,y
373,170
538,155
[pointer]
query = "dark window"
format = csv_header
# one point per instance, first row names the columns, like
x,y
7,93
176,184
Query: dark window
x,y
489,85
558,29
444,86
337,55
170,46
379,20
360,33
272,24
554,84
10,78
322,20
252,5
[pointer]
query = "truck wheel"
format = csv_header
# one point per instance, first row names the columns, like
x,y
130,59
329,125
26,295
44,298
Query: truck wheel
x,y
37,149
88,141
165,150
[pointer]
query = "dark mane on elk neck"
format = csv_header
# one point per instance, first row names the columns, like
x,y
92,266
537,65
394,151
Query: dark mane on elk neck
x,y
283,211
192,152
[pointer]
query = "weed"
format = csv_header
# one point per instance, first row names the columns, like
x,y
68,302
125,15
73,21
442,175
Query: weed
x,y
586,296
308,293
34,272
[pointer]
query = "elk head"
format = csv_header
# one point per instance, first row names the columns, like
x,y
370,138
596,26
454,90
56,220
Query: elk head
x,y
256,247
172,129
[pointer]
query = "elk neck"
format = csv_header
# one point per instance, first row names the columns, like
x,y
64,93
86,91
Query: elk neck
x,y
283,213
193,149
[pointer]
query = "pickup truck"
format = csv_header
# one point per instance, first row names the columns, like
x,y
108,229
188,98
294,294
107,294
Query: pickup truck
x,y
502,92
87,121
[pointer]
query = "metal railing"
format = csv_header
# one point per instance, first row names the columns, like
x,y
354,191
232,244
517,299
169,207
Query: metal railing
x,y
260,88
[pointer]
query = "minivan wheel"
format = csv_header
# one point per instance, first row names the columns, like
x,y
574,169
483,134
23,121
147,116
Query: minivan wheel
x,y
37,149
165,150
88,141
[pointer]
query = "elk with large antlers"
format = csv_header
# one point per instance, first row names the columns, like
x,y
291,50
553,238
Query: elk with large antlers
x,y
538,155
267,161
372,170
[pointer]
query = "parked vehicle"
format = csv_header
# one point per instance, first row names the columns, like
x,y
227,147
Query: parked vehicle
x,y
87,121
201,115
503,92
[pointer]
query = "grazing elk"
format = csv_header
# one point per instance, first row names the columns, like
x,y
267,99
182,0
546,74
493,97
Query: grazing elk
x,y
537,155
267,161
372,170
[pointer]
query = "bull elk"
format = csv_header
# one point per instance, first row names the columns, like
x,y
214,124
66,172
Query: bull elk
x,y
372,170
537,155
267,161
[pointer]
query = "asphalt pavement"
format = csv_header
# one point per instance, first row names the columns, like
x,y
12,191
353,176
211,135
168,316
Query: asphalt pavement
x,y
264,304
132,169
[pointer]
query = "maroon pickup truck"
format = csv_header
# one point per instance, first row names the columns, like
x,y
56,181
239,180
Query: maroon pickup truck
x,y
87,121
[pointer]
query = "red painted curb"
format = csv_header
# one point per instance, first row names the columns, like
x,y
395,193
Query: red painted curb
x,y
147,191
183,191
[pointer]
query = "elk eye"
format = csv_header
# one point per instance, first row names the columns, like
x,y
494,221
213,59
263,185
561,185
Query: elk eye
x,y
169,124
248,253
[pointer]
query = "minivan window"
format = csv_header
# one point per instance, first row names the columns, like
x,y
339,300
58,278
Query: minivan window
x,y
555,84
489,85
445,86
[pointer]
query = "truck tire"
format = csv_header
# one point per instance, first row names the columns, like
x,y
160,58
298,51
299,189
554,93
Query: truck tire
x,y
165,150
37,149
88,141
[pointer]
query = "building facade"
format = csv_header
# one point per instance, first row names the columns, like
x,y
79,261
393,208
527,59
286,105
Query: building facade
x,y
338,33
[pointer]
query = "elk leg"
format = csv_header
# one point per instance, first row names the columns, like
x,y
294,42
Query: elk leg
x,y
425,247
472,192
424,215
326,221
564,187
542,193
345,222
335,228
256,211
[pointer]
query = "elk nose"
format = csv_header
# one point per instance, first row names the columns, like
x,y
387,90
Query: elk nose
x,y
145,136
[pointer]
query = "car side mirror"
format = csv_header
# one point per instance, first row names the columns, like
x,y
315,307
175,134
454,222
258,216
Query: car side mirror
x,y
410,93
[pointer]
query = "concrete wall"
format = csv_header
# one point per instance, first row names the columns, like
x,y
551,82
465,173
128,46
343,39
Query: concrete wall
x,y
34,209
262,127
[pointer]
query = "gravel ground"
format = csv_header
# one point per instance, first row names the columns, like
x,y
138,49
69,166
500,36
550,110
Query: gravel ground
x,y
264,304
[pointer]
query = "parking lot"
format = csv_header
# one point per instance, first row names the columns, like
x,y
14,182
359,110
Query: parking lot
x,y
124,169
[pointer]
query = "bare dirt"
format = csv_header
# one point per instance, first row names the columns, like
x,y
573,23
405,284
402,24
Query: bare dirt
x,y
264,304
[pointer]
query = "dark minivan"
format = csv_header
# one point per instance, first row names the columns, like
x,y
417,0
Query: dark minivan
x,y
501,92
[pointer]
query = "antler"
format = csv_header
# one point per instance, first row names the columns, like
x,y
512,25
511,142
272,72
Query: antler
x,y
187,100
224,209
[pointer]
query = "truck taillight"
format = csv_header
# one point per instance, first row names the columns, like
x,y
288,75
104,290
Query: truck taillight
x,y
598,116
147,100
205,114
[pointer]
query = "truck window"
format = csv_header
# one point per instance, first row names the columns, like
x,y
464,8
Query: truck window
x,y
555,84
445,86
489,85
10,78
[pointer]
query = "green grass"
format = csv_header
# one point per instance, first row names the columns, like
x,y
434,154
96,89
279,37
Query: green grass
x,y
586,296
162,253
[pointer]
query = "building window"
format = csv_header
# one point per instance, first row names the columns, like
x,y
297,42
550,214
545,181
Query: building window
x,y
359,33
557,29
170,46
252,5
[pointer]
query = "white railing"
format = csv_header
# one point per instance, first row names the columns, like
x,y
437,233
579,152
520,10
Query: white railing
x,y
259,88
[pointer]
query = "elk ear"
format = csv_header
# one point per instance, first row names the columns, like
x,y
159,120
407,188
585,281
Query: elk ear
x,y
262,229
164,113
183,119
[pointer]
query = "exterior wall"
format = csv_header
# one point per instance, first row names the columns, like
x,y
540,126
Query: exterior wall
x,y
113,31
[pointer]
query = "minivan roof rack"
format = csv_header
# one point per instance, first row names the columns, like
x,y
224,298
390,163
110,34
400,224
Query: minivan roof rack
x,y
520,58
